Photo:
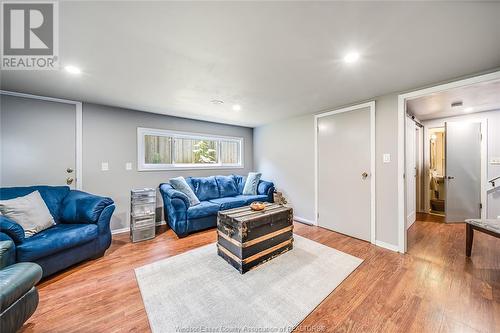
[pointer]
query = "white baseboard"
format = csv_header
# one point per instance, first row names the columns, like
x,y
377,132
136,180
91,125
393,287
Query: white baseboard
x,y
387,246
303,220
410,219
408,225
127,229
120,231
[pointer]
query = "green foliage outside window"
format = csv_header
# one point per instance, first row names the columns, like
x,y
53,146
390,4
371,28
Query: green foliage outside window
x,y
204,152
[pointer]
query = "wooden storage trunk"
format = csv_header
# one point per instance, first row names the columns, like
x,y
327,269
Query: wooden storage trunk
x,y
247,238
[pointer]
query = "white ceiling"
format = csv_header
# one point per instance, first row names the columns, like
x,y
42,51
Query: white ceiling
x,y
475,98
276,59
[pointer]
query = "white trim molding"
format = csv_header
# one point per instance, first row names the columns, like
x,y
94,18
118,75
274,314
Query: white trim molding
x,y
78,129
303,220
410,220
402,239
371,106
120,231
173,135
387,246
127,229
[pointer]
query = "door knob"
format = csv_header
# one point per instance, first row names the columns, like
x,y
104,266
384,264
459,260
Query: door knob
x,y
69,180
364,175
69,170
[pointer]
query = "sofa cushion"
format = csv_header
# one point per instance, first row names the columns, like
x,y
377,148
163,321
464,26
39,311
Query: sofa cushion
x,y
229,202
205,208
227,186
240,182
251,198
205,188
58,238
251,183
52,195
29,211
180,184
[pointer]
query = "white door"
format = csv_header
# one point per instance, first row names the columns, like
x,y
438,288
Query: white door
x,y
463,171
411,173
344,172
37,141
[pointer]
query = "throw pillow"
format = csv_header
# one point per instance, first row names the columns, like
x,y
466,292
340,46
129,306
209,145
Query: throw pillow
x,y
251,183
180,184
30,212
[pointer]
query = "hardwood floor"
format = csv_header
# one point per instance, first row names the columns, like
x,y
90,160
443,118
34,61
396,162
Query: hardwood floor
x,y
433,288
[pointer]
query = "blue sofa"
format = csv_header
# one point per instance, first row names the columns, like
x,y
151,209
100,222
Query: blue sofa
x,y
215,193
81,232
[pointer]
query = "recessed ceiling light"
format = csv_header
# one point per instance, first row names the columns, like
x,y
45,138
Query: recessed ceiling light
x,y
469,109
216,102
236,107
351,57
72,69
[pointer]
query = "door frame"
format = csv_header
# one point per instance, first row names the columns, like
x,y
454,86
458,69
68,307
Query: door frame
x,y
402,233
426,165
371,106
420,170
78,128
413,122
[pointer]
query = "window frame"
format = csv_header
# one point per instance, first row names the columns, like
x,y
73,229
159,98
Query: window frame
x,y
142,166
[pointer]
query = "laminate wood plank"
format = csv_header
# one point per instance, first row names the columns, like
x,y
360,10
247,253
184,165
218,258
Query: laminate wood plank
x,y
433,288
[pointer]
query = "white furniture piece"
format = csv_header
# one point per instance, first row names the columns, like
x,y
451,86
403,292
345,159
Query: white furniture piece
x,y
142,214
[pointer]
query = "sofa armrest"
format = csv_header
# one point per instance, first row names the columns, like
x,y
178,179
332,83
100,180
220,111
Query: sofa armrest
x,y
82,207
16,280
266,188
175,207
168,192
7,253
12,229
103,225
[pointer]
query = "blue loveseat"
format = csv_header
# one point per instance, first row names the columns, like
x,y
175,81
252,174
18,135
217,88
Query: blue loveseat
x,y
215,193
81,232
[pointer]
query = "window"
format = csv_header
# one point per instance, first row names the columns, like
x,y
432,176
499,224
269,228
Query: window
x,y
167,150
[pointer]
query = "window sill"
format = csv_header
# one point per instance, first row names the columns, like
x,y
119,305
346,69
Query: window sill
x,y
221,167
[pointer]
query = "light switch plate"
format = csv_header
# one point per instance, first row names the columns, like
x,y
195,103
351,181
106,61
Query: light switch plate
x,y
104,166
386,158
128,166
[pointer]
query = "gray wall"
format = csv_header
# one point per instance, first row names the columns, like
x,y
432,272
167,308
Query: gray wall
x,y
285,155
284,152
110,135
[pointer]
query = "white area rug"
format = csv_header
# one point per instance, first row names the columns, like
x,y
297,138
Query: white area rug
x,y
198,291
